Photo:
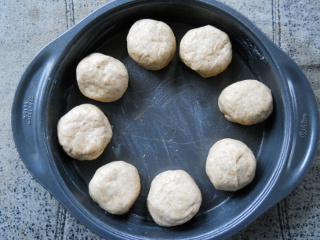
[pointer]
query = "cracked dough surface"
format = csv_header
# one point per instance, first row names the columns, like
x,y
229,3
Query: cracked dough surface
x,y
246,102
115,187
102,78
230,165
151,44
207,50
84,132
174,198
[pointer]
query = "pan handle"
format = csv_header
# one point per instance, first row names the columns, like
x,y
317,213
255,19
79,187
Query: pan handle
x,y
26,121
304,125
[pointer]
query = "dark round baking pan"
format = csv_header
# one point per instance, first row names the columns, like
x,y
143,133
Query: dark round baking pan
x,y
167,119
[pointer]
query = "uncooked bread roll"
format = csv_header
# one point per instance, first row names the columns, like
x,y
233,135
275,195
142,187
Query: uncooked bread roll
x,y
207,50
102,78
230,165
246,102
84,132
115,187
151,44
174,198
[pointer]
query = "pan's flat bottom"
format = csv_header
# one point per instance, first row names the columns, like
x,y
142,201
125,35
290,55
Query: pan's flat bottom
x,y
168,119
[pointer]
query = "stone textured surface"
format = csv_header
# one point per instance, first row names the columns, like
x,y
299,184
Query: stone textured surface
x,y
28,211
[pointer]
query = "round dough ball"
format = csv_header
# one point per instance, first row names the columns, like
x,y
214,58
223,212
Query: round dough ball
x,y
102,78
115,187
230,165
84,132
246,102
151,44
174,198
207,50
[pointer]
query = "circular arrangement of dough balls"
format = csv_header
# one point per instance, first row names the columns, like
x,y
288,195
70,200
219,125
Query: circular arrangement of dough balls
x,y
230,165
246,102
174,198
151,44
84,132
115,187
102,78
207,50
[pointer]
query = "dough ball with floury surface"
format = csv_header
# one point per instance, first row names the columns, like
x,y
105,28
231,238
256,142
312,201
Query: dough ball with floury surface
x,y
230,165
102,78
115,187
151,44
84,132
174,198
207,50
246,102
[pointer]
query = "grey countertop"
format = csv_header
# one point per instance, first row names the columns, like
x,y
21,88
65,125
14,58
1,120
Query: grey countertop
x,y
28,211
